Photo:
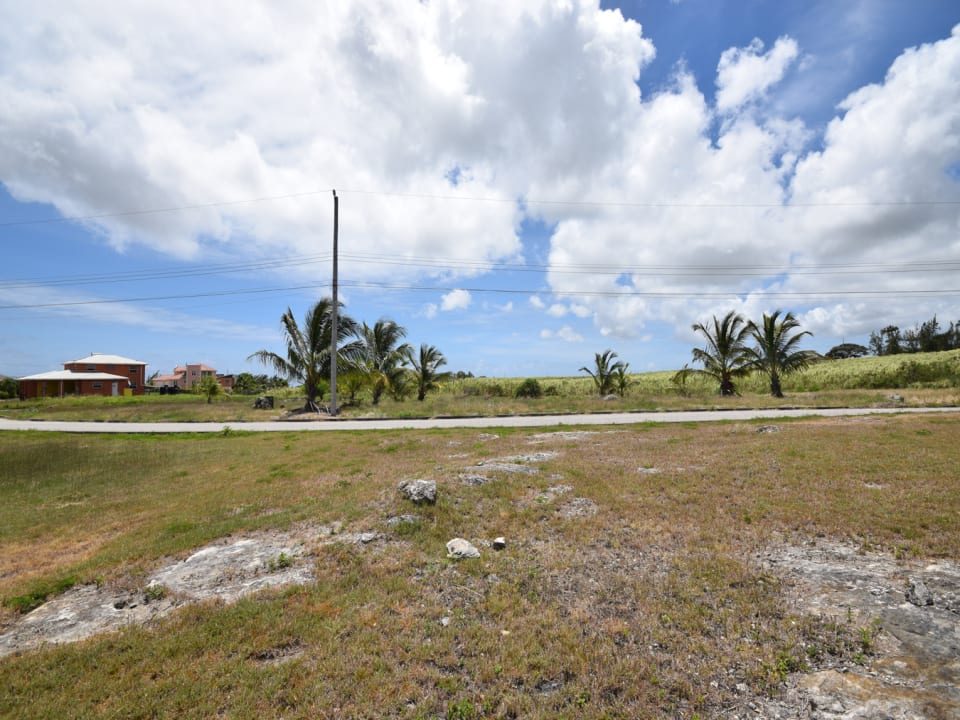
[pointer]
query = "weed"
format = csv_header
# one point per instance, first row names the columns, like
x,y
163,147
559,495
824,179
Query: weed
x,y
462,710
154,593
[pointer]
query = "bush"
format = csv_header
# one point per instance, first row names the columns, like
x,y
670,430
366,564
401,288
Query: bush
x,y
529,388
8,388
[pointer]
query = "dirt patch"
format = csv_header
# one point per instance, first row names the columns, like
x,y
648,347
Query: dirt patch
x,y
226,570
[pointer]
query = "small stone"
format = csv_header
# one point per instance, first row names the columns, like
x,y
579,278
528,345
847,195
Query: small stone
x,y
918,594
367,537
403,520
445,621
499,543
458,549
763,429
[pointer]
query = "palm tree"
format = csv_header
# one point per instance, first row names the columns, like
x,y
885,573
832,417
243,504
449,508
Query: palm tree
x,y
622,378
776,352
425,367
605,371
725,357
381,356
308,348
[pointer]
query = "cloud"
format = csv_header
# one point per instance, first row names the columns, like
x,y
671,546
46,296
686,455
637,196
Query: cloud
x,y
429,311
745,74
557,310
566,333
690,205
77,307
455,300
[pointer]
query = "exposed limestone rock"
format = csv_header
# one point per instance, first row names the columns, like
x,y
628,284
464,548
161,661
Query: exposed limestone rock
x,y
458,549
419,491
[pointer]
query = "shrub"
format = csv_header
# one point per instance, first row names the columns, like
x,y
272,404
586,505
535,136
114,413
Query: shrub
x,y
529,388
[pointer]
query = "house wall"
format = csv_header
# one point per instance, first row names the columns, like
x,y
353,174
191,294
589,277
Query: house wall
x,y
135,374
193,374
56,388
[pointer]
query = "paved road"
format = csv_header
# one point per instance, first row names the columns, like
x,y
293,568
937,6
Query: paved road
x,y
472,422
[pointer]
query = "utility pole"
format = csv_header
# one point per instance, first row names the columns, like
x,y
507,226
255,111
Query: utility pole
x,y
333,312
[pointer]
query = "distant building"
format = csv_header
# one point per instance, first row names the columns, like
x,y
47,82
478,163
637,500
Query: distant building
x,y
96,374
185,377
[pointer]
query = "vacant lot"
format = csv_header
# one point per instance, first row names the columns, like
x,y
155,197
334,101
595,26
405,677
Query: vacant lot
x,y
630,585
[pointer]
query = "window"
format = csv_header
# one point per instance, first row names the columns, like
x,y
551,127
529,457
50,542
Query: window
x,y
133,385
91,368
133,369
97,386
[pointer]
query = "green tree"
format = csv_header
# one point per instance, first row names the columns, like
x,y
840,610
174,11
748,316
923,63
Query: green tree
x,y
725,357
9,388
425,366
622,378
847,350
382,355
209,387
776,353
247,384
308,348
605,370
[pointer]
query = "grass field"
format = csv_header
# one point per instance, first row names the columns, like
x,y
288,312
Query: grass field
x,y
925,379
631,595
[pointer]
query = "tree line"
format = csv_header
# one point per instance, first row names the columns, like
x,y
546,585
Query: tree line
x,y
728,354
373,358
924,337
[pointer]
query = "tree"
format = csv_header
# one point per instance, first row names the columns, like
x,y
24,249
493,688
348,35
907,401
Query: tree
x,y
308,348
604,371
621,378
382,355
725,357
208,387
425,365
247,384
847,350
9,388
776,353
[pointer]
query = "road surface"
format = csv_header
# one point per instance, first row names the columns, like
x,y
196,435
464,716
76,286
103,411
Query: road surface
x,y
617,418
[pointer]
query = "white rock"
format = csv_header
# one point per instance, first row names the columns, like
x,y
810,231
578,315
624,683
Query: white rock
x,y
459,548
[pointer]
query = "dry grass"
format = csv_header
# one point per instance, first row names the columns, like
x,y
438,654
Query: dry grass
x,y
631,594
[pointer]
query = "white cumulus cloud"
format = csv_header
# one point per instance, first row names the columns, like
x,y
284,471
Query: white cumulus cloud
x,y
745,74
455,300
565,333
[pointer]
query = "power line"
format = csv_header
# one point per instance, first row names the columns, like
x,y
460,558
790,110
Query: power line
x,y
652,204
169,273
625,293
453,264
154,211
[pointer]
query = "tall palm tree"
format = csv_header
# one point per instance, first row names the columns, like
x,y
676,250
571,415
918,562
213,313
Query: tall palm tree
x,y
605,371
726,356
382,356
425,365
776,354
308,348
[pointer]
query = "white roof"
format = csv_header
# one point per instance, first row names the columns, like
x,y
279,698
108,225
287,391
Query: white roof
x,y
70,375
101,359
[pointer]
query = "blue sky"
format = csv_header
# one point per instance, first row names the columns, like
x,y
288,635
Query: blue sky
x,y
521,186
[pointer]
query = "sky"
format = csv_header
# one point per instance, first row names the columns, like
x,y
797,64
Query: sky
x,y
521,185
